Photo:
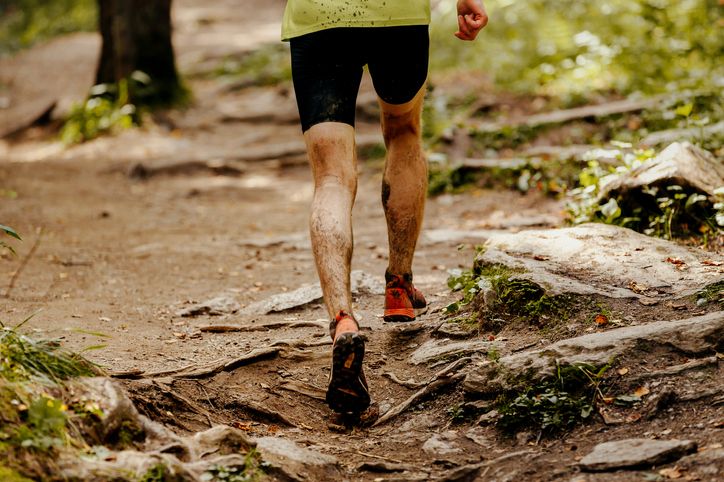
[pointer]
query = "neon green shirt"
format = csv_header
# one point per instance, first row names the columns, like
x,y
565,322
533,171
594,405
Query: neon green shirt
x,y
307,16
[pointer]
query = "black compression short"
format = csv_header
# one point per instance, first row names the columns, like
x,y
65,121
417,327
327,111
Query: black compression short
x,y
327,68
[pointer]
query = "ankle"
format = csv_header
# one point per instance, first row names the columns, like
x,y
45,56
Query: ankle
x,y
343,323
391,277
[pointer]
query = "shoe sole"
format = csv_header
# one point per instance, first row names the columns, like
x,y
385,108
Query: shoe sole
x,y
402,315
346,392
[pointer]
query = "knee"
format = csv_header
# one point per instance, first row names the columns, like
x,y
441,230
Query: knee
x,y
333,161
397,126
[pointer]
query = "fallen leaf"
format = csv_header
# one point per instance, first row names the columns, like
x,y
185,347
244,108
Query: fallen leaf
x,y
671,473
648,301
633,418
642,391
608,400
675,261
622,371
675,306
241,425
708,262
540,257
638,288
710,447
610,418
491,337
601,320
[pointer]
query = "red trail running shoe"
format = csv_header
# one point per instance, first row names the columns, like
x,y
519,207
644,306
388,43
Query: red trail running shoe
x,y
403,302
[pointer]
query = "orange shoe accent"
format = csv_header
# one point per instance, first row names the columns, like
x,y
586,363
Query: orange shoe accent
x,y
402,300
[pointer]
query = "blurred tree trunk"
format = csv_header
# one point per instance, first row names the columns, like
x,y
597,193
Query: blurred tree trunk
x,y
137,37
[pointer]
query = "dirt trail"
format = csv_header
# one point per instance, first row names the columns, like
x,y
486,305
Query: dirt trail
x,y
120,257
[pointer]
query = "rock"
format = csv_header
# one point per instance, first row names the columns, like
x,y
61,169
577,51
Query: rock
x,y
600,259
454,330
365,283
436,236
220,440
119,412
442,444
708,460
479,436
293,462
361,283
124,465
681,163
285,301
694,335
488,417
433,350
220,305
635,453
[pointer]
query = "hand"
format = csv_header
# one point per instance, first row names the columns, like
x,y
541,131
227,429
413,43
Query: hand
x,y
471,19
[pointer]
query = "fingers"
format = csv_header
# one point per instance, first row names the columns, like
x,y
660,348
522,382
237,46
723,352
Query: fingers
x,y
463,30
469,26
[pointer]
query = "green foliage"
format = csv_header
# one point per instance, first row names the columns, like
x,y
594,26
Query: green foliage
x,y
556,403
10,475
45,425
714,293
99,114
9,232
525,174
569,47
268,65
25,22
157,473
508,295
250,472
22,359
456,413
665,211
470,282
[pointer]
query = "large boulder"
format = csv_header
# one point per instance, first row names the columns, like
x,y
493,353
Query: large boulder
x,y
602,259
635,453
692,336
681,164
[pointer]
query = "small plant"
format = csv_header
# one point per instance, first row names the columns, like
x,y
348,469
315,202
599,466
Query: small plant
x,y
35,418
9,232
557,403
22,359
714,293
157,473
469,283
661,211
456,413
99,114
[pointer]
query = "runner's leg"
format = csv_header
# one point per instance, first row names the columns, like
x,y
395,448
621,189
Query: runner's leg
x,y
327,70
398,65
331,150
404,184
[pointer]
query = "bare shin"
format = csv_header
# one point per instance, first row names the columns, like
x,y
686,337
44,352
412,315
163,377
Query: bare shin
x,y
404,185
331,149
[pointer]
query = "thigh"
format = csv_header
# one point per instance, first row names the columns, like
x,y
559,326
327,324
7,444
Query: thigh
x,y
398,61
326,71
